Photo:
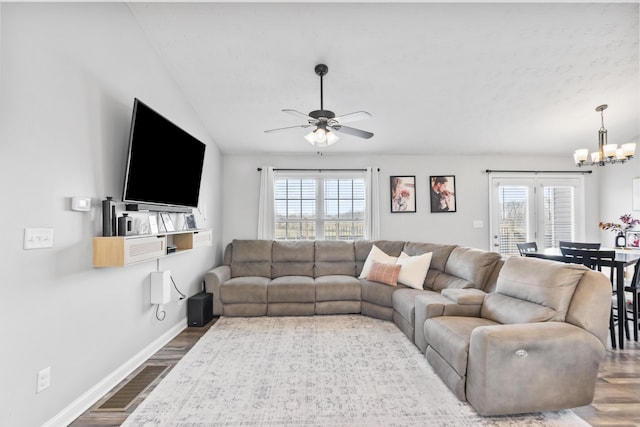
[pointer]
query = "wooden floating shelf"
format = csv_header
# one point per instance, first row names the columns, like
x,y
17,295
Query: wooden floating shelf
x,y
120,251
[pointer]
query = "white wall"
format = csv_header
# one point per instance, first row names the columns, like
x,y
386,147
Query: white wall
x,y
242,181
616,194
68,78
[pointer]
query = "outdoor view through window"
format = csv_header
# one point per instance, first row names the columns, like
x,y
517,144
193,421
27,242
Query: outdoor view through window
x,y
320,208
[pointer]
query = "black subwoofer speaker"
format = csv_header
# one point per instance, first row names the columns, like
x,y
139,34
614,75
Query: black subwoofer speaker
x,y
200,309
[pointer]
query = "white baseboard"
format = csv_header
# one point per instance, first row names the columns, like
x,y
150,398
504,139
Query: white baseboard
x,y
85,401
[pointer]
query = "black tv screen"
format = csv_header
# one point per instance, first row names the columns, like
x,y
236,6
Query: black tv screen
x,y
164,164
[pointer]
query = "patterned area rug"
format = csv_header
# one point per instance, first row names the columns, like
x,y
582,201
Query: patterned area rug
x,y
312,371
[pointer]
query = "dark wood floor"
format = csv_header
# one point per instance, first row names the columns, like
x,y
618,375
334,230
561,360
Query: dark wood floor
x,y
616,402
169,355
617,398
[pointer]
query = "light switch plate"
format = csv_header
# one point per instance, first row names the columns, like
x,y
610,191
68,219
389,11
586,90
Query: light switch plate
x,y
38,238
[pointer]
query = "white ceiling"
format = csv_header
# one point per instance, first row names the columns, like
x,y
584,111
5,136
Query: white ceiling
x,y
438,78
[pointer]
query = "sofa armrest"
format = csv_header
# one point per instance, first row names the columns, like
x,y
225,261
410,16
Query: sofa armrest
x,y
426,306
465,296
212,281
434,304
531,367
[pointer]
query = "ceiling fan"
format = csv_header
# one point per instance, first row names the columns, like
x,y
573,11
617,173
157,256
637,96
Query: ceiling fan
x,y
325,121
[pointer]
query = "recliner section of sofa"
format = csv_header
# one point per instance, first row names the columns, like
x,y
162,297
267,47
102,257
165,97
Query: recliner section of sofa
x,y
245,292
535,344
292,290
337,290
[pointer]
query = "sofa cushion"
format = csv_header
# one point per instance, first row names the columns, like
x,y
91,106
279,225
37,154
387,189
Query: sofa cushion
x,y
440,253
251,258
414,269
472,265
337,288
508,310
384,273
377,293
334,257
450,337
291,289
249,289
448,281
292,258
376,255
549,284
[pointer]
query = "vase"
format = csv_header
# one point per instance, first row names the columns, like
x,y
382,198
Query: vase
x,y
621,240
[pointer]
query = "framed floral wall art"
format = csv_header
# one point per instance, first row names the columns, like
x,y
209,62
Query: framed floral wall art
x,y
403,194
443,193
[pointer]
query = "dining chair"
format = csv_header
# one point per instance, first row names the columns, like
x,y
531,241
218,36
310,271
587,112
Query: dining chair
x,y
634,289
578,245
595,260
523,248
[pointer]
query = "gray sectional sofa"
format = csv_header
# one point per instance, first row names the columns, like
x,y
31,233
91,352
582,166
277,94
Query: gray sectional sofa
x,y
482,322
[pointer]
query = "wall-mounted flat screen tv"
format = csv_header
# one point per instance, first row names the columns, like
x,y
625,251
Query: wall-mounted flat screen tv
x,y
164,164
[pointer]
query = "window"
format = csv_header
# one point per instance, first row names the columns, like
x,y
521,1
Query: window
x,y
537,209
320,207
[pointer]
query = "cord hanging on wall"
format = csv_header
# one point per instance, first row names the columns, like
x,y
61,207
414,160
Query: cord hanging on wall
x,y
182,296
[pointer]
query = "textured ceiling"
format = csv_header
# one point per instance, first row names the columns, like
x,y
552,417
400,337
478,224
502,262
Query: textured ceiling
x,y
438,78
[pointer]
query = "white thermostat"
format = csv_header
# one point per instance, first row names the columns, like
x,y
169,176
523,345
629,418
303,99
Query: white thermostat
x,y
82,204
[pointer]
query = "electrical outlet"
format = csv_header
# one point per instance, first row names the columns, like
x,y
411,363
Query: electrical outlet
x,y
38,238
44,379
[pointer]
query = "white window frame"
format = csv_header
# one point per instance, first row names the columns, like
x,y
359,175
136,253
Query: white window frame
x,y
319,219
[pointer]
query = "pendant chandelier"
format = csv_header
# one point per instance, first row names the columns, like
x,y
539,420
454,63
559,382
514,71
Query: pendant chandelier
x,y
607,153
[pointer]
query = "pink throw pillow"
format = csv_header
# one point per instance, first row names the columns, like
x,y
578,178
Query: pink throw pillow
x,y
384,273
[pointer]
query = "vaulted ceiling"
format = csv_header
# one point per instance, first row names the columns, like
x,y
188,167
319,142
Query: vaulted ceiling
x,y
438,78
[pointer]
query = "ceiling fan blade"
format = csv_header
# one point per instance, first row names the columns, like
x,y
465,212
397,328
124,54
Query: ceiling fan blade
x,y
352,117
352,131
298,114
287,128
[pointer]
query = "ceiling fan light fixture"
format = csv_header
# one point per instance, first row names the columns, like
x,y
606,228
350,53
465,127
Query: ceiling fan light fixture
x,y
310,137
321,137
332,138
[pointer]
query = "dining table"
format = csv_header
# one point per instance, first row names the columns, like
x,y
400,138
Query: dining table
x,y
624,258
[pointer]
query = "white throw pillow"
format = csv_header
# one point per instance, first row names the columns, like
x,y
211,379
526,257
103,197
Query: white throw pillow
x,y
414,269
376,254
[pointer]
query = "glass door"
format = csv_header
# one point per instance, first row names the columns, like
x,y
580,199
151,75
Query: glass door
x,y
541,209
